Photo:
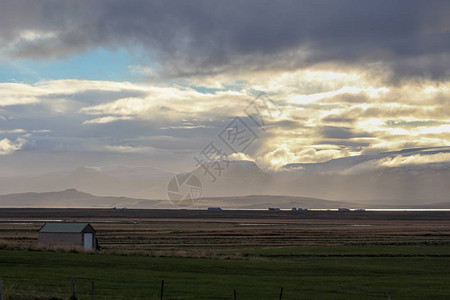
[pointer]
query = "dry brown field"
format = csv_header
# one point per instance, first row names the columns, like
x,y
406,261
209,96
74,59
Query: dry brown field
x,y
222,233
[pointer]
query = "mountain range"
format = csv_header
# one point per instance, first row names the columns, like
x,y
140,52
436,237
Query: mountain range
x,y
72,198
366,180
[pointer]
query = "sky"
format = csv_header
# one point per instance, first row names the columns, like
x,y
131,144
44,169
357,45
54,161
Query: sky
x,y
153,83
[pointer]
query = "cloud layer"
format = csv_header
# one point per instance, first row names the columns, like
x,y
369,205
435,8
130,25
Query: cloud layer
x,y
345,78
312,122
193,38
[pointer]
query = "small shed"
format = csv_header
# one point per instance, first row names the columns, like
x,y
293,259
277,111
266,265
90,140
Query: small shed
x,y
63,234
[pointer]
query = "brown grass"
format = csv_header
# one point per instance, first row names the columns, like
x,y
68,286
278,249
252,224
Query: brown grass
x,y
213,237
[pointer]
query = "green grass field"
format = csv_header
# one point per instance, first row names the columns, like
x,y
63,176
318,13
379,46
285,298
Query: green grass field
x,y
27,274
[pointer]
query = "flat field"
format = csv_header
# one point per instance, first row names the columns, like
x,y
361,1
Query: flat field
x,y
208,254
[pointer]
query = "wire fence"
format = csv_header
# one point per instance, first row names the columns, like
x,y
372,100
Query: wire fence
x,y
89,290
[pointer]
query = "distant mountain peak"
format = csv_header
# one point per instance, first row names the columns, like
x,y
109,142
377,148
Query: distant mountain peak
x,y
72,191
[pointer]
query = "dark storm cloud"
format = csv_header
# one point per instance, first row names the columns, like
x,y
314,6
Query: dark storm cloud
x,y
334,119
287,124
332,132
203,37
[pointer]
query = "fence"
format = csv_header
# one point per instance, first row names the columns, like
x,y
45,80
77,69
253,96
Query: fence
x,y
73,294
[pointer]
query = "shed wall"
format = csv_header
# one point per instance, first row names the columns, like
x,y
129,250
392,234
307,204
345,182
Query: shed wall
x,y
50,239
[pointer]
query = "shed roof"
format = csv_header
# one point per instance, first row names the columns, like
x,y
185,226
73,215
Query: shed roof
x,y
65,227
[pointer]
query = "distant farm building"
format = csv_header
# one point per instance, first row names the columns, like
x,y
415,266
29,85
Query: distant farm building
x,y
274,208
71,235
214,208
343,209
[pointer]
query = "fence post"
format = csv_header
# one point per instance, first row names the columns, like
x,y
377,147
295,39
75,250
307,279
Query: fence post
x,y
1,287
134,233
93,290
234,293
281,293
162,289
74,287
389,298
